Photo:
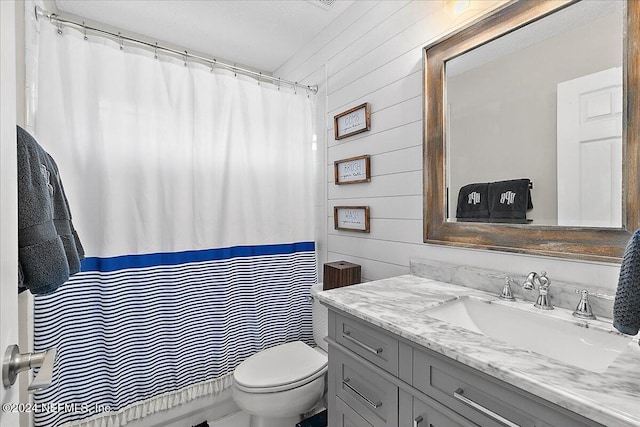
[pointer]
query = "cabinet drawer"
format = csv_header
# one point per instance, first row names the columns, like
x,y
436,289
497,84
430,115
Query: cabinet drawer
x,y
417,413
368,342
483,399
373,397
347,417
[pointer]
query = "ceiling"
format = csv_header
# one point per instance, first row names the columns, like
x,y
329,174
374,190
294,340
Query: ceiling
x,y
261,34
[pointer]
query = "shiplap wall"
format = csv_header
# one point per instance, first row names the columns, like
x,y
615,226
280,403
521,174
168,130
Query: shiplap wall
x,y
373,53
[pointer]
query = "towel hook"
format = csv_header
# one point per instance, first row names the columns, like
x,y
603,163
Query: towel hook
x,y
84,30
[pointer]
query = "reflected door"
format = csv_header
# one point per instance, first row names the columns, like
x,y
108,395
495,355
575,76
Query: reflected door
x,y
590,150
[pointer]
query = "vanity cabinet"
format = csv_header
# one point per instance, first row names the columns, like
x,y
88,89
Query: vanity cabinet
x,y
378,379
373,397
415,412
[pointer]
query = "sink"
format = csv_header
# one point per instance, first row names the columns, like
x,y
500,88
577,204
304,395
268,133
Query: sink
x,y
561,339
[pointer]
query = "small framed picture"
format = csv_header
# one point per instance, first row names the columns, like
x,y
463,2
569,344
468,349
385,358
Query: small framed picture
x,y
351,218
353,170
353,121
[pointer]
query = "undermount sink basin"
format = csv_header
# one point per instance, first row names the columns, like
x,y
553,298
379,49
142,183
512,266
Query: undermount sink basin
x,y
560,339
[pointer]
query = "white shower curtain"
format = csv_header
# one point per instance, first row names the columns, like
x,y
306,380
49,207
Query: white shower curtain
x,y
191,191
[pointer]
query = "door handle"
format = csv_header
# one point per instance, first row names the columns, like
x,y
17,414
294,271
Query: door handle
x,y
417,421
16,362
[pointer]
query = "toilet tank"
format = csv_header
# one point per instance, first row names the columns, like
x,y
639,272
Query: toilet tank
x,y
320,318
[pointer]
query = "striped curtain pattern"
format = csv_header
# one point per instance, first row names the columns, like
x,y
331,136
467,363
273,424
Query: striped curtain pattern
x,y
191,191
136,331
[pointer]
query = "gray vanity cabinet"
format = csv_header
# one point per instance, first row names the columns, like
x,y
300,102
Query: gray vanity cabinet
x,y
417,413
378,379
364,390
344,416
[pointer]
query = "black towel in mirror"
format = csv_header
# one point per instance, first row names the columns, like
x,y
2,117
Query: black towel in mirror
x,y
510,199
473,202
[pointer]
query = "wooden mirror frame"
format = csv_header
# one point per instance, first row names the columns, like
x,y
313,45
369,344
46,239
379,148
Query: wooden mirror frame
x,y
594,244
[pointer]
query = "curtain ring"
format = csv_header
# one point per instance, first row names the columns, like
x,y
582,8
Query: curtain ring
x,y
121,41
295,88
185,57
58,23
84,28
155,51
213,65
259,78
278,84
53,17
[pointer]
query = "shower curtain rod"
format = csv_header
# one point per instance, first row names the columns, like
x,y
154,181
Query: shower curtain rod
x,y
55,19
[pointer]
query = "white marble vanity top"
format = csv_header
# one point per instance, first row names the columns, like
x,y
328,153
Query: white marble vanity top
x,y
398,305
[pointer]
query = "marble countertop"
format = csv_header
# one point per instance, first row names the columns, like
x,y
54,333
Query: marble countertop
x,y
398,305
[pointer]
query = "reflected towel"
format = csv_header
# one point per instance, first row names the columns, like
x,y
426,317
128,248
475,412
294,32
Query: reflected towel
x,y
626,308
473,202
510,199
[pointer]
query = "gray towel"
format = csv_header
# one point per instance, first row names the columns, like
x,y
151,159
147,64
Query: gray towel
x,y
49,250
626,308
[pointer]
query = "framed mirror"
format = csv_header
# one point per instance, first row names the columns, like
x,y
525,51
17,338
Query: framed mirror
x,y
532,128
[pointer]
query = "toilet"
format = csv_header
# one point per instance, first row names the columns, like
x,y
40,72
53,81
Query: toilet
x,y
280,384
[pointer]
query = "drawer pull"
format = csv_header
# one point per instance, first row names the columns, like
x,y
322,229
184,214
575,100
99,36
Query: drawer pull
x,y
458,395
417,421
374,405
347,336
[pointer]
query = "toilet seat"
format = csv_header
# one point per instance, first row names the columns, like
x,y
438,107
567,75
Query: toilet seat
x,y
283,367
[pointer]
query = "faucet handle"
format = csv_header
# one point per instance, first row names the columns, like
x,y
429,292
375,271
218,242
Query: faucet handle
x,y
583,309
506,290
597,295
545,282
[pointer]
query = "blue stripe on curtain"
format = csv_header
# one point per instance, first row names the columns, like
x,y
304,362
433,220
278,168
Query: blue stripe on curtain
x,y
134,327
173,258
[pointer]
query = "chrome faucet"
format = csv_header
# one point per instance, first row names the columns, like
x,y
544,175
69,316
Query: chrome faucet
x,y
583,309
542,282
506,293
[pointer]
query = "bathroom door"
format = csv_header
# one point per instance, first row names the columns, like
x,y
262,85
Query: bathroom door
x,y
8,204
590,150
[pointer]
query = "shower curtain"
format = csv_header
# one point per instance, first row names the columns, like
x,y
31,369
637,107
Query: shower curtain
x,y
191,190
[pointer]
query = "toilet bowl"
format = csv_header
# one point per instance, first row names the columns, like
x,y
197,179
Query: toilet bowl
x,y
278,385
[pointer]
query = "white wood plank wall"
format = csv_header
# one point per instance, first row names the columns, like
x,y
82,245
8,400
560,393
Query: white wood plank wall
x,y
373,53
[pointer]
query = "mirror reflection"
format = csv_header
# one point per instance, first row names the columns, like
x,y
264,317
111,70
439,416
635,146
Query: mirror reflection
x,y
534,122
